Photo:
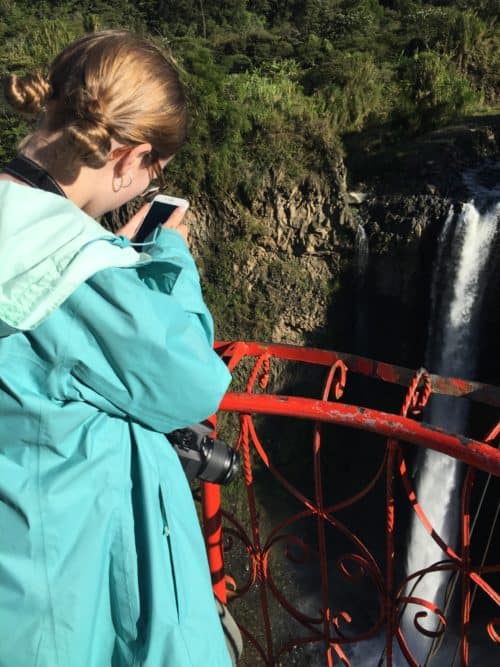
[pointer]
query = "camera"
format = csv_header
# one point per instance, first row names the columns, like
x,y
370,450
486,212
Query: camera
x,y
206,458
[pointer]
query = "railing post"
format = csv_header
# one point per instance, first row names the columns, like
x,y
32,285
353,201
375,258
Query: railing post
x,y
212,527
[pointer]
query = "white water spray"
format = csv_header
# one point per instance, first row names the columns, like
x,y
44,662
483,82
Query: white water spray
x,y
459,281
362,252
362,258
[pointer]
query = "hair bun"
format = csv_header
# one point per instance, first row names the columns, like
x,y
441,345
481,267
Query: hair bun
x,y
29,93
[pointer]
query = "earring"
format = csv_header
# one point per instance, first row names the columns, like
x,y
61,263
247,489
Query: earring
x,y
118,183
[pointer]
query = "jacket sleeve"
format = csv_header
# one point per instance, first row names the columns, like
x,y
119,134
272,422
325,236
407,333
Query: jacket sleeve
x,y
147,350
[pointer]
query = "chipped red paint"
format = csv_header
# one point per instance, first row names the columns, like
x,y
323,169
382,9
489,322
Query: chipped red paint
x,y
329,626
474,391
482,456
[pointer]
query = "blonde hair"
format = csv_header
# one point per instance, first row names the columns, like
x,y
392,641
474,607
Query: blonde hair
x,y
105,85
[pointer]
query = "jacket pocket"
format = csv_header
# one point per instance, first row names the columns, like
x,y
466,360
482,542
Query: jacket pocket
x,y
124,587
171,553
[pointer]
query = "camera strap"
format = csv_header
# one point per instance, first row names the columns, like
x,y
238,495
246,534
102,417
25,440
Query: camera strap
x,y
33,174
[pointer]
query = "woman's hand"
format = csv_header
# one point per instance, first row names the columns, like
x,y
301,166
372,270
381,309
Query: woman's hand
x,y
174,222
130,229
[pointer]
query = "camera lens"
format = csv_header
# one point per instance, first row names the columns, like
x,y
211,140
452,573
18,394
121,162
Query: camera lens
x,y
221,462
204,457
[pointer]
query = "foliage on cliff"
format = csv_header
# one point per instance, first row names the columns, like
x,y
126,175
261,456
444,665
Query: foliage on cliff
x,y
275,84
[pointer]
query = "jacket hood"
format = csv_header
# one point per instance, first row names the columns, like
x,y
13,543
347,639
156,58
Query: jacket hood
x,y
48,247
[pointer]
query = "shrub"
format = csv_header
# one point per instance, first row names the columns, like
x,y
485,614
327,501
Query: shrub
x,y
246,123
435,91
447,30
353,87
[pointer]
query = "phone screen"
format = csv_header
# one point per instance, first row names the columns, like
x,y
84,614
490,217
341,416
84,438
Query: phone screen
x,y
156,216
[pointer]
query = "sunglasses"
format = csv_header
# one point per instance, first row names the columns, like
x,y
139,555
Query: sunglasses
x,y
152,162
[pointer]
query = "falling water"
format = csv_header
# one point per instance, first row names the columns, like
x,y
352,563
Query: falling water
x,y
459,282
362,252
360,314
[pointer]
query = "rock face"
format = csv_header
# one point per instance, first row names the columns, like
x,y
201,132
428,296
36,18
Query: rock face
x,y
288,247
383,312
283,266
402,232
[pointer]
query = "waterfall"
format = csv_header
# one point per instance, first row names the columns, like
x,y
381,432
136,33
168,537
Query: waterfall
x,y
362,253
459,281
360,315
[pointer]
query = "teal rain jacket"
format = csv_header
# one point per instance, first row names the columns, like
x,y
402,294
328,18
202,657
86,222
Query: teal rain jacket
x,y
102,561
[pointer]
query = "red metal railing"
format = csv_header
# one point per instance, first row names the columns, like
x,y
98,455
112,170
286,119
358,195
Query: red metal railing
x,y
291,587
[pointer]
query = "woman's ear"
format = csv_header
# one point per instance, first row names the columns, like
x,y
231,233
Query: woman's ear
x,y
134,158
131,158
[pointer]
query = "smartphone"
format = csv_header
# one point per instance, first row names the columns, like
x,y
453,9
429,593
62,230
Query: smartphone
x,y
161,209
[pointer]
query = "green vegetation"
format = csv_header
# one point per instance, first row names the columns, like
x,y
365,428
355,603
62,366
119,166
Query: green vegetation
x,y
276,84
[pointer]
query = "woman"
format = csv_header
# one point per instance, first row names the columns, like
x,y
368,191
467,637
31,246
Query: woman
x,y
102,350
